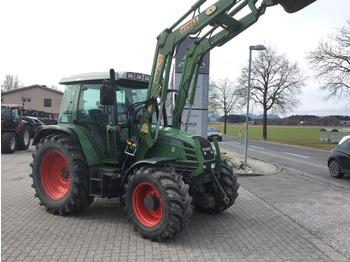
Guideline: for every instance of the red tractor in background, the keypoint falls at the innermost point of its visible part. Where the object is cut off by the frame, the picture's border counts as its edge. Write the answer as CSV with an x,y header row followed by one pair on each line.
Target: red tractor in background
x,y
15,132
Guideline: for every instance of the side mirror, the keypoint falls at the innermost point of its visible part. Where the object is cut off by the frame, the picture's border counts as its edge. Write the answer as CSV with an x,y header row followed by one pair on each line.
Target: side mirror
x,y
107,92
107,95
292,6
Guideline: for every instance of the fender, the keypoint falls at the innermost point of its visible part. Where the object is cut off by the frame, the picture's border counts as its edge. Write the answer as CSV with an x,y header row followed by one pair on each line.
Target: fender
x,y
150,161
21,125
53,129
89,151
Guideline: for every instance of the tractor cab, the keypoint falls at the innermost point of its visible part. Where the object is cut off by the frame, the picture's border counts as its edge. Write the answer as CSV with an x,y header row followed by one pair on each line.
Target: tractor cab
x,y
10,115
107,126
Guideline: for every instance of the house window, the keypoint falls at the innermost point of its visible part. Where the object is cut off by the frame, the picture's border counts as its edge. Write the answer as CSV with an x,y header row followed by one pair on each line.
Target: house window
x,y
26,100
47,102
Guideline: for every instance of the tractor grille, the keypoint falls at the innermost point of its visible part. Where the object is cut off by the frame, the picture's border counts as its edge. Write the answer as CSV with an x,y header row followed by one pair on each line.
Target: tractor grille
x,y
190,154
207,150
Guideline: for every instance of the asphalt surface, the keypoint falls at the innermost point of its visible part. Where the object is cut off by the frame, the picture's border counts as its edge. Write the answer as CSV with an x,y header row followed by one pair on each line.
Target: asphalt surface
x,y
278,216
301,159
321,206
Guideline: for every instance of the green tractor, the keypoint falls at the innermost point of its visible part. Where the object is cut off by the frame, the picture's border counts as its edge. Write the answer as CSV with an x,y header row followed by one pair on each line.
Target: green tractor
x,y
113,138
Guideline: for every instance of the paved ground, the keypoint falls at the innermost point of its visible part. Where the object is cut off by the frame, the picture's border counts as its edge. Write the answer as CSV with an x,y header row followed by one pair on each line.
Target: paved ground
x,y
252,230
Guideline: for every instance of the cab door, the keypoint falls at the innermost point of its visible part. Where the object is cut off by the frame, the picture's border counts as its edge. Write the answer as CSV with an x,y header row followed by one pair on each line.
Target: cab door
x,y
12,119
97,121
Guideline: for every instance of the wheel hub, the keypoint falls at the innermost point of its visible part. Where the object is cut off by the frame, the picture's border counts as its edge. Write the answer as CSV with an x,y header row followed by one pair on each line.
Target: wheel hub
x,y
151,202
65,173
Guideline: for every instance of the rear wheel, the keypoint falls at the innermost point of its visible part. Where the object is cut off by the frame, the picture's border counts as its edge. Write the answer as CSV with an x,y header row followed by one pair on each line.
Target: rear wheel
x,y
24,138
334,169
157,202
8,142
60,175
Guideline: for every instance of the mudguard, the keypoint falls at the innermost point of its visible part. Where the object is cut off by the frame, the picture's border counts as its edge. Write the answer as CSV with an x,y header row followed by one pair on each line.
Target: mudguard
x,y
149,161
90,152
21,125
46,130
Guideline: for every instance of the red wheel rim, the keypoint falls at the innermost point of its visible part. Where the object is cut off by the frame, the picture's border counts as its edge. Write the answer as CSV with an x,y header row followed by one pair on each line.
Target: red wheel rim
x,y
149,218
55,175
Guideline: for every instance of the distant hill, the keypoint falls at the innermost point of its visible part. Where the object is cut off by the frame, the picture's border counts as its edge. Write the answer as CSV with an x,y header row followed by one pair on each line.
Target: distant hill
x,y
239,118
260,117
213,118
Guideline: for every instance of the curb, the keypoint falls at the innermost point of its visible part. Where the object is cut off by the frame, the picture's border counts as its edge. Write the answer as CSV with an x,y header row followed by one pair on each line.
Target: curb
x,y
256,166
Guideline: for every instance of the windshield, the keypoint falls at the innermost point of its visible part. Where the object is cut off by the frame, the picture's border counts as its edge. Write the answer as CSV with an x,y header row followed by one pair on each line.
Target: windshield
x,y
89,100
7,113
125,96
212,129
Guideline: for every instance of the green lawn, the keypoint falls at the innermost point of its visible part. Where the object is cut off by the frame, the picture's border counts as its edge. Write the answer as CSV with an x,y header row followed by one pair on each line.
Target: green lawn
x,y
292,135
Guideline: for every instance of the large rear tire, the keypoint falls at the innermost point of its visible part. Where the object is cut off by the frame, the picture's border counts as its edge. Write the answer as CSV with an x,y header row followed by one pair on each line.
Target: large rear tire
x,y
228,181
157,202
60,175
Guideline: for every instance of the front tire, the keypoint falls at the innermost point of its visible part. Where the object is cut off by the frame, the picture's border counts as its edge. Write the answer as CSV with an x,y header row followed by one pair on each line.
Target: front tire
x,y
334,169
24,138
60,175
8,142
228,181
157,202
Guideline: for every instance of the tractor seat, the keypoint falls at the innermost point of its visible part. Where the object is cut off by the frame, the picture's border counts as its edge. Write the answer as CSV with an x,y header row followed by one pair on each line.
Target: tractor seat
x,y
98,116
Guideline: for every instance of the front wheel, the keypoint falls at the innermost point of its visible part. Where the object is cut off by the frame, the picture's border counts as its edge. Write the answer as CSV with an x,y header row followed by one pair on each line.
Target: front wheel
x,y
24,138
227,180
8,142
334,169
157,202
60,175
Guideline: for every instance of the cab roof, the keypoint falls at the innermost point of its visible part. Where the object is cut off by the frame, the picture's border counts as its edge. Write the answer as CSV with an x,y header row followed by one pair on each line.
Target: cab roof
x,y
105,76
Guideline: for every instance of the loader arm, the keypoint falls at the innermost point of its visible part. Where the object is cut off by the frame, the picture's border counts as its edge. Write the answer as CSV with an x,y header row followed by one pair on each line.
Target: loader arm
x,y
218,16
196,51
166,43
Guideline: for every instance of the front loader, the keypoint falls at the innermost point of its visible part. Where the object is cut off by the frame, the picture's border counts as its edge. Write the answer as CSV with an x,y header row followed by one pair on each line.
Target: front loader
x,y
113,138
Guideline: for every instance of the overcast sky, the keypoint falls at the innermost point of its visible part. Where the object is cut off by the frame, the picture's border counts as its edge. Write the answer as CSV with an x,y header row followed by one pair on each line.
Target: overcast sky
x,y
43,41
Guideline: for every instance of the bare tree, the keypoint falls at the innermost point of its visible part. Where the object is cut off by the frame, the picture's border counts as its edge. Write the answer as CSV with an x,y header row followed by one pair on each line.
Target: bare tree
x,y
11,82
222,98
212,105
54,87
331,62
275,83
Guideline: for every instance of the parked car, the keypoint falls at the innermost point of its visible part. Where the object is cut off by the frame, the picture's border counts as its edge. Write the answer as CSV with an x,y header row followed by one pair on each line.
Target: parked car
x,y
339,160
213,132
